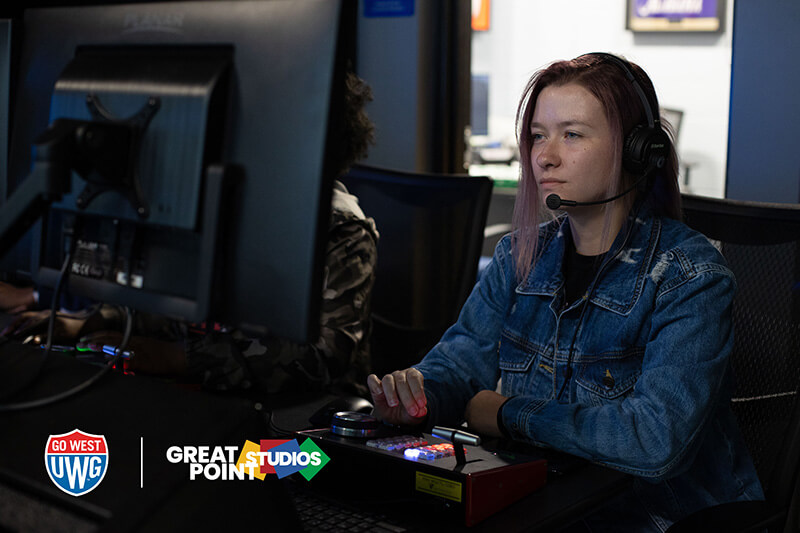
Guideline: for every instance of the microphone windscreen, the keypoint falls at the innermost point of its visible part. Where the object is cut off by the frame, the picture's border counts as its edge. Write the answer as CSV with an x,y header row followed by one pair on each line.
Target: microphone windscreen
x,y
553,201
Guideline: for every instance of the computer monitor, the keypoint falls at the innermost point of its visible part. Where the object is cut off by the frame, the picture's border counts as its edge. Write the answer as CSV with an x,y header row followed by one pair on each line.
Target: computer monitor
x,y
5,87
7,262
205,134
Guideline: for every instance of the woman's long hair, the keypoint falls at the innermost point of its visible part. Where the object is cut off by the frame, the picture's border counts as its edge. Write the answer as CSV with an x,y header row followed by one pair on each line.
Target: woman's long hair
x,y
624,110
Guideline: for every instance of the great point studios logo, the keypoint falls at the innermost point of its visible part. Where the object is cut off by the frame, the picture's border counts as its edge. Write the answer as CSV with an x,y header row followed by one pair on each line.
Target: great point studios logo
x,y
76,461
255,461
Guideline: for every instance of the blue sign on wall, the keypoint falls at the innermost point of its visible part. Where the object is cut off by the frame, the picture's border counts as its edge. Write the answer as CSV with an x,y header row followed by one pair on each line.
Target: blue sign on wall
x,y
388,8
675,15
676,10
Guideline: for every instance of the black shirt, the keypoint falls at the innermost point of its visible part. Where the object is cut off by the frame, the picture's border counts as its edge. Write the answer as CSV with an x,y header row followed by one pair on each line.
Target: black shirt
x,y
579,272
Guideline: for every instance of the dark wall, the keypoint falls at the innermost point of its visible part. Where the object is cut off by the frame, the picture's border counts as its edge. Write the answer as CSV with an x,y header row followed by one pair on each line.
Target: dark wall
x,y
418,64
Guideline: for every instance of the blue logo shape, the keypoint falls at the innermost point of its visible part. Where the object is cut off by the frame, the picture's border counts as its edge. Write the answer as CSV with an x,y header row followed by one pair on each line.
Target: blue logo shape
x,y
287,458
76,461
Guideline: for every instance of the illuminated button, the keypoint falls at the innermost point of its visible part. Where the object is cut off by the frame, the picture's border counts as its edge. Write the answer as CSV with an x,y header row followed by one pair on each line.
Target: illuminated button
x,y
412,454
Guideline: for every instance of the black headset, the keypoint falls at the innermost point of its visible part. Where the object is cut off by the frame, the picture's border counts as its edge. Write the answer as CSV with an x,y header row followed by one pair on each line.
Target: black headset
x,y
646,147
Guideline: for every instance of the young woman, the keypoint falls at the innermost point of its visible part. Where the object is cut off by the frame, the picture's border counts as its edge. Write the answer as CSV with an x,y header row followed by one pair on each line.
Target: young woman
x,y
608,326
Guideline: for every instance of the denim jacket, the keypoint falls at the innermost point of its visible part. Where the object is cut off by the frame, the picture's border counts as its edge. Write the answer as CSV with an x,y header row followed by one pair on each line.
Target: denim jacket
x,y
636,378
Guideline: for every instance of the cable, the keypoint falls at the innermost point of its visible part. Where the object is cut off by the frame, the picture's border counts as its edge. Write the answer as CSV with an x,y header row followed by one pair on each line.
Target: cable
x,y
589,293
78,388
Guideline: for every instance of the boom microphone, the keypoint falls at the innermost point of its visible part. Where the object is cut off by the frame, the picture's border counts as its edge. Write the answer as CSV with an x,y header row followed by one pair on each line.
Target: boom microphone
x,y
554,201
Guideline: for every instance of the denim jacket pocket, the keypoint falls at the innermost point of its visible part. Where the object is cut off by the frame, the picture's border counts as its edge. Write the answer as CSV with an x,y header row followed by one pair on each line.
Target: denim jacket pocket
x,y
525,368
609,376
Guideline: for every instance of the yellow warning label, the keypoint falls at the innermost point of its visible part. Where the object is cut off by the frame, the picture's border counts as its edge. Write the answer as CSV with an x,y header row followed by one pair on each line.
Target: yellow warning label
x,y
438,486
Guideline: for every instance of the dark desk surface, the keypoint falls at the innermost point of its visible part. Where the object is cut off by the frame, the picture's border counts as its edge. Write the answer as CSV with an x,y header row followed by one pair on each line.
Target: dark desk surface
x,y
127,410
138,417
560,502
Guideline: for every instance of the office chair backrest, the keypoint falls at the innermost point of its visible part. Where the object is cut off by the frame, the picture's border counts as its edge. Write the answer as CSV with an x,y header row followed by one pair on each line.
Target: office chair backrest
x,y
761,244
431,231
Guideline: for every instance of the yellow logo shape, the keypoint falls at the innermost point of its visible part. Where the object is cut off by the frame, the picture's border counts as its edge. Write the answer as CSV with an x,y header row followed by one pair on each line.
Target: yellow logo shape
x,y
254,469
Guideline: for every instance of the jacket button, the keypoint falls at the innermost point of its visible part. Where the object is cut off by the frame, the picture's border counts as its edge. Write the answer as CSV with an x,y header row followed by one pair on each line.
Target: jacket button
x,y
608,382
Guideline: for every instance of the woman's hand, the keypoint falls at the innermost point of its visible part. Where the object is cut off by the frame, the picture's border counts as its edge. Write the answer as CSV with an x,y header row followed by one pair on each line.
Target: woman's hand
x,y
399,398
481,413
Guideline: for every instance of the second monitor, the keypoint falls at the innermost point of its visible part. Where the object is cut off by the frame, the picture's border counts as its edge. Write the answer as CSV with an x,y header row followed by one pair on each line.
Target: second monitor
x,y
241,98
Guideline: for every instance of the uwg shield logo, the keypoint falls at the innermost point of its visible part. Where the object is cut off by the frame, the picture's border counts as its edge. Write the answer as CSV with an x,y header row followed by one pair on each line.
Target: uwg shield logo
x,y
76,461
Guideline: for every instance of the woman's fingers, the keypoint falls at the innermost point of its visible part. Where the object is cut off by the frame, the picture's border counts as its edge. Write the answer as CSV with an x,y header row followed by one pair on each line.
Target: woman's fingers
x,y
399,397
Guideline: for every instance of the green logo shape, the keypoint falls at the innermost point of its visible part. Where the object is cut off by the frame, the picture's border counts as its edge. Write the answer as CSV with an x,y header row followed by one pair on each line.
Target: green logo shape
x,y
311,470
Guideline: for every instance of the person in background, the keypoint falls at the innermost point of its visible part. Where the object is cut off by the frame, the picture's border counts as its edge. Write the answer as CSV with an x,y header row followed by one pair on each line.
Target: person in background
x,y
608,327
26,312
14,299
339,359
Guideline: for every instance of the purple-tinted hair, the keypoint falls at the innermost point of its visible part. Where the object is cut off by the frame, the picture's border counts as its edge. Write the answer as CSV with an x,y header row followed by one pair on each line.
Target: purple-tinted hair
x,y
624,110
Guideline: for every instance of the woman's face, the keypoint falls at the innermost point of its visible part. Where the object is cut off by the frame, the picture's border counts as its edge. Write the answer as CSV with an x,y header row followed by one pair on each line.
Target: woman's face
x,y
572,153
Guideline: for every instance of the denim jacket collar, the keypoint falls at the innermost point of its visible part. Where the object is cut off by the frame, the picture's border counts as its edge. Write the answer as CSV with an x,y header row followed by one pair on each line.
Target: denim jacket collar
x,y
622,273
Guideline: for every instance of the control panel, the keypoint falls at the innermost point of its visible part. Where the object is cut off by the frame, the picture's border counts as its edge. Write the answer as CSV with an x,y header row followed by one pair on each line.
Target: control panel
x,y
448,469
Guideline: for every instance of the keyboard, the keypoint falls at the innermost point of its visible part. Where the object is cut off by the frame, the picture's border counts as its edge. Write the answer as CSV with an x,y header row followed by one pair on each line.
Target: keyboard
x,y
318,512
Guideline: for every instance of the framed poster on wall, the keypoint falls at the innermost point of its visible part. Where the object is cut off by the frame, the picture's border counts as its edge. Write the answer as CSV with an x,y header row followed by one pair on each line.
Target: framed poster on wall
x,y
675,15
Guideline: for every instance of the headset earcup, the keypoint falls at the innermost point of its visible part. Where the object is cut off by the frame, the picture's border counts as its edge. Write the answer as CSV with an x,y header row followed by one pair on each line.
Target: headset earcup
x,y
632,150
645,148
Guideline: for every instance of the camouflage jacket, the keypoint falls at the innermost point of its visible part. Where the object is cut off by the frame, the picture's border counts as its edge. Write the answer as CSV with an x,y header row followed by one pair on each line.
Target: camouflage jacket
x,y
228,360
